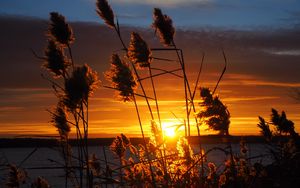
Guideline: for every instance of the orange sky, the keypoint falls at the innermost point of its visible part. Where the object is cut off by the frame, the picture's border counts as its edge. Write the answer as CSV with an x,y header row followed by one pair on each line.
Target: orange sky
x,y
257,79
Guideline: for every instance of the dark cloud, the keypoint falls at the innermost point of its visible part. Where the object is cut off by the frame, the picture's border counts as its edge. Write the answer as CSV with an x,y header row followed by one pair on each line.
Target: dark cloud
x,y
247,50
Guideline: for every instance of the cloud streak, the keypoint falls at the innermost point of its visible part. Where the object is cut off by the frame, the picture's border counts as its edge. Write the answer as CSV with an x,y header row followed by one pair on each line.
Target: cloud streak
x,y
165,3
284,52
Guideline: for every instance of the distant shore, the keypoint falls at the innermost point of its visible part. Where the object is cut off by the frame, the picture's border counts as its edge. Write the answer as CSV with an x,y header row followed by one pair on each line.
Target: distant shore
x,y
46,142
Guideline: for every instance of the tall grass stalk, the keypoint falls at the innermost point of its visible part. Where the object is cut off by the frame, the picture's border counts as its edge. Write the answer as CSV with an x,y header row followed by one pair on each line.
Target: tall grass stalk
x,y
78,85
186,87
158,114
103,8
144,140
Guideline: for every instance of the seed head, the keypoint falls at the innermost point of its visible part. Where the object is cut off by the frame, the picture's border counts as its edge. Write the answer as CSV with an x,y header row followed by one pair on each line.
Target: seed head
x,y
59,120
121,78
243,147
157,135
138,51
95,165
214,113
81,85
16,176
60,30
126,140
117,147
40,182
222,180
212,167
265,129
185,151
163,25
105,12
56,61
212,170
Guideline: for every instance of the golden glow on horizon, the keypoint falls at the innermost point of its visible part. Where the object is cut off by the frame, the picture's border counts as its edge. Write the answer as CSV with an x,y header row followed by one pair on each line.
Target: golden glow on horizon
x,y
169,132
171,128
112,118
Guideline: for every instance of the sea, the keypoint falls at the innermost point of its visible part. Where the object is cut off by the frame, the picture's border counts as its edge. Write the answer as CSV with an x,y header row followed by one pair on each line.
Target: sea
x,y
43,161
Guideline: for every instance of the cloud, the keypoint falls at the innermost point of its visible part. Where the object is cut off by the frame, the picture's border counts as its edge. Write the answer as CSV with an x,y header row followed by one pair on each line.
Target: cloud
x,y
104,109
251,80
22,96
240,99
11,109
283,52
268,83
165,3
131,16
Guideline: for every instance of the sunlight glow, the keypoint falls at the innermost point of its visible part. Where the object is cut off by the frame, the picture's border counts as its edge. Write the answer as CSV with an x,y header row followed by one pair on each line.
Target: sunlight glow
x,y
169,132
171,129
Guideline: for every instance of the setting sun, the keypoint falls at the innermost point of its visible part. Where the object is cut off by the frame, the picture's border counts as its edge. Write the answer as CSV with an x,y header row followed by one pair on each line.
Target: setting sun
x,y
171,129
169,132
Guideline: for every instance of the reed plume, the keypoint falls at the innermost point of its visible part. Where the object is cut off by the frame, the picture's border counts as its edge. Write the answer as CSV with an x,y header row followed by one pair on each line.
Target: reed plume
x,y
59,30
95,165
40,182
163,25
121,78
283,125
212,171
243,147
16,176
185,151
56,61
265,129
157,135
117,147
222,180
83,82
214,113
60,121
138,51
126,140
105,12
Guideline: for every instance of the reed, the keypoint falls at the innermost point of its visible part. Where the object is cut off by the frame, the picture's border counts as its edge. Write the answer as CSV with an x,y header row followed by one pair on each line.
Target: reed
x,y
157,162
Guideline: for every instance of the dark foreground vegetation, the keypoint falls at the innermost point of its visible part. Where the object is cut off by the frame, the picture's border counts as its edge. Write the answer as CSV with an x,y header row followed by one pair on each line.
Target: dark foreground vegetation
x,y
153,162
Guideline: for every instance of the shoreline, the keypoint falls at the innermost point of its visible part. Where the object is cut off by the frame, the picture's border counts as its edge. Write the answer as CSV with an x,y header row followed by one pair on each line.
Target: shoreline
x,y
51,142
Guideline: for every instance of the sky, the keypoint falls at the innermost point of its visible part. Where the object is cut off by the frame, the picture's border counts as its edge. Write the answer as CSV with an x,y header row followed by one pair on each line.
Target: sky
x,y
260,37
186,13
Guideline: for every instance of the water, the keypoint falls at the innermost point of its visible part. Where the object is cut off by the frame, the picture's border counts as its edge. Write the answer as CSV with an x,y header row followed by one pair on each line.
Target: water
x,y
48,157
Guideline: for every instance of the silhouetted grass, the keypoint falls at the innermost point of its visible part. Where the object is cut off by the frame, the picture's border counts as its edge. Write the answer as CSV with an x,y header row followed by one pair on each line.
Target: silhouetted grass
x,y
154,161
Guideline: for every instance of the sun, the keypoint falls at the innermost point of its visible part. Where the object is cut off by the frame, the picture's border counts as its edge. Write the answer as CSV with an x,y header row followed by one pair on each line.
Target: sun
x,y
169,129
169,132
